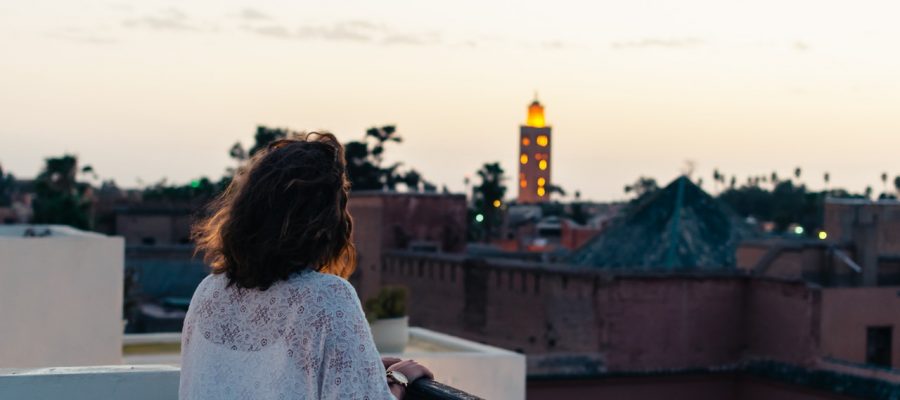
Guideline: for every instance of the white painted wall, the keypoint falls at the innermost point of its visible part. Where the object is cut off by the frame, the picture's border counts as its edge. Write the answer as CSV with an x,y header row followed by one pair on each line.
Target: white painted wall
x,y
60,298
485,371
120,382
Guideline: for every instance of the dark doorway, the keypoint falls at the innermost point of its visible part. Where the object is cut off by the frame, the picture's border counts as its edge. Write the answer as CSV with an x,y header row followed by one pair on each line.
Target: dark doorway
x,y
878,345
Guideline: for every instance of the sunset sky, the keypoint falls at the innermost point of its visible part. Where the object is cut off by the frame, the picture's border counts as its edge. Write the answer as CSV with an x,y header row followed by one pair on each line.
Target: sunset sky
x,y
154,89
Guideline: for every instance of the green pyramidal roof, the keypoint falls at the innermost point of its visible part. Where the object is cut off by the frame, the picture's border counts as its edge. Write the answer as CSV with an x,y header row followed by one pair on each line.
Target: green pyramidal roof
x,y
677,227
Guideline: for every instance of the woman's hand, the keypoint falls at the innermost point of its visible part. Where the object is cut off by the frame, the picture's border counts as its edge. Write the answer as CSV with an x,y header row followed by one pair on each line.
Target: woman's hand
x,y
388,361
411,369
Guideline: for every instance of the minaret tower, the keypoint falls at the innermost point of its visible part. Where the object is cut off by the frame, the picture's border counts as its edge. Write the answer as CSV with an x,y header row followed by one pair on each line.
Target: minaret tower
x,y
534,157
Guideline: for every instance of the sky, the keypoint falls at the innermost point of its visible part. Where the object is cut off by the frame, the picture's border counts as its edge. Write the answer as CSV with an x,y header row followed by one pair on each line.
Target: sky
x,y
161,89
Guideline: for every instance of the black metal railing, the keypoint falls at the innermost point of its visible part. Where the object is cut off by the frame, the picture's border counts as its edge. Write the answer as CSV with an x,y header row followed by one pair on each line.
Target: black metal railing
x,y
427,389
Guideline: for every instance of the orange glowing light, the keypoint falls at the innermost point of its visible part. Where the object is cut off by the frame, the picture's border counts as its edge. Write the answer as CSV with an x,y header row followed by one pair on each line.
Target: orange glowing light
x,y
535,115
542,165
523,183
543,140
526,141
541,192
542,182
497,203
523,159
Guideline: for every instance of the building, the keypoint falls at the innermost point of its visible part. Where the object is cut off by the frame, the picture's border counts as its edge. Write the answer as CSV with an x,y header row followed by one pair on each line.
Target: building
x,y
415,221
695,328
150,225
534,157
859,246
600,333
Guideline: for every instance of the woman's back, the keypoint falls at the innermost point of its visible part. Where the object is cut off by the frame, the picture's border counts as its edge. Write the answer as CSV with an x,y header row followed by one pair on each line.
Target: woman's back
x,y
303,338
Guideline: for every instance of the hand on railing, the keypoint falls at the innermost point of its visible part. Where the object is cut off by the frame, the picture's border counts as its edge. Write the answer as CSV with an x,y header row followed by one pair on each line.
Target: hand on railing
x,y
428,389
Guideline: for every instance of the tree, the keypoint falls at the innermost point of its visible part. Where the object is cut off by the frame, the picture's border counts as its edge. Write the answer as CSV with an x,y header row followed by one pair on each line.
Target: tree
x,y
265,135
365,162
487,197
59,197
642,186
382,135
897,184
7,184
797,172
237,152
717,178
412,179
556,189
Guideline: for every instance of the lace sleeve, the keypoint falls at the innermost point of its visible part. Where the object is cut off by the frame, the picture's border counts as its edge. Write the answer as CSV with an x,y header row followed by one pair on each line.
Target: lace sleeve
x,y
351,364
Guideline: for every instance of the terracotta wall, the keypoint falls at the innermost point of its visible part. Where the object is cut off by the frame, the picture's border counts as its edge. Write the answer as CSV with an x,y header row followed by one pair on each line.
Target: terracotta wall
x,y
843,217
782,321
613,323
847,312
389,220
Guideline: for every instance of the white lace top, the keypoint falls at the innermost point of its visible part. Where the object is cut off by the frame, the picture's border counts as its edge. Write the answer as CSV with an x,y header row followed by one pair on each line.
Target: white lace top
x,y
304,338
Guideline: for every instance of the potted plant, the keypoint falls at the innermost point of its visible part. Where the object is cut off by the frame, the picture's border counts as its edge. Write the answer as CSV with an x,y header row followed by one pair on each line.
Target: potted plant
x,y
387,317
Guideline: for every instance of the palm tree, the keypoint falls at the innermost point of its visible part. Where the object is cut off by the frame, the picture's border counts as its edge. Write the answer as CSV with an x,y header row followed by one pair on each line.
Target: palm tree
x,y
59,197
884,178
488,195
797,172
717,177
382,135
897,185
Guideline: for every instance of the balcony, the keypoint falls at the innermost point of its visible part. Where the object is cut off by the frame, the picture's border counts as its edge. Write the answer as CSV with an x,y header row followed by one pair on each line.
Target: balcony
x,y
67,342
462,367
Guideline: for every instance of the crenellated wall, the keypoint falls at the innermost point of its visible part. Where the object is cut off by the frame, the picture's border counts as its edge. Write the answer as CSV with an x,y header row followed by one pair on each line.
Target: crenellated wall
x,y
572,320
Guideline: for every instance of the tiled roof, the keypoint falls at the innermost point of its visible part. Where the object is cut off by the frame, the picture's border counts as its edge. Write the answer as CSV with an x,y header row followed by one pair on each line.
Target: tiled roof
x,y
677,227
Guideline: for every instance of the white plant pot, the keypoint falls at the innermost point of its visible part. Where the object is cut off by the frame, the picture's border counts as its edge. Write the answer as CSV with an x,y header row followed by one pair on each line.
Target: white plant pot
x,y
391,334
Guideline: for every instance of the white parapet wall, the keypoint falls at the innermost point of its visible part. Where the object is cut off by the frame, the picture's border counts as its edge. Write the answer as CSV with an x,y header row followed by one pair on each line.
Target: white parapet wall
x,y
118,382
60,297
485,371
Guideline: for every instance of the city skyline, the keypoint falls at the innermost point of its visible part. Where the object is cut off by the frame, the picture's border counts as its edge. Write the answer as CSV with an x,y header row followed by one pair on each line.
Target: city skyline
x,y
158,89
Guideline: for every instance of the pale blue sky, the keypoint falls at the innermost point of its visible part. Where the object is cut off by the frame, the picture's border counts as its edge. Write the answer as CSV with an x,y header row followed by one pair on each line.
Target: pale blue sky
x,y
153,89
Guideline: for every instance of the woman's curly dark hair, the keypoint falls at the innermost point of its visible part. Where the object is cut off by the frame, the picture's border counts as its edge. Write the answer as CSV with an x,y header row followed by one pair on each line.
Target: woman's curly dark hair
x,y
285,212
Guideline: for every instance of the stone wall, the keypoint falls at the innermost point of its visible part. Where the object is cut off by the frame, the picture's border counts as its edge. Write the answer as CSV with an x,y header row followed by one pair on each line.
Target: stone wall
x,y
574,320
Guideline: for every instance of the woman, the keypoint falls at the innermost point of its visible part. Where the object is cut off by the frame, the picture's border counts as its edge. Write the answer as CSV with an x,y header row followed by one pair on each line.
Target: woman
x,y
276,319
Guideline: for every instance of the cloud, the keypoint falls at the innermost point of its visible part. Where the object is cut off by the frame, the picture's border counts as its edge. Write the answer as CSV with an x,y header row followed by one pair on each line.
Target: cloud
x,y
78,35
275,31
801,46
355,31
553,45
648,43
171,19
359,31
251,14
412,39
